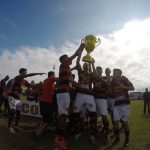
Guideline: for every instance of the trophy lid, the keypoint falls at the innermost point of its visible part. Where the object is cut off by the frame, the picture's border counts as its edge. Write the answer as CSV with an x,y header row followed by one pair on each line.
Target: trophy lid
x,y
90,37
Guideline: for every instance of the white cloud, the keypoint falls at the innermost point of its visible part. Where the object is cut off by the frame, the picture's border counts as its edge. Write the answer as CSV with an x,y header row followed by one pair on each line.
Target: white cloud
x,y
127,49
35,59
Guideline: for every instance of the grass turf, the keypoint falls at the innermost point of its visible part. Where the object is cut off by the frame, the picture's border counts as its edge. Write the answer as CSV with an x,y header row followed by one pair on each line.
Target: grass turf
x,y
24,140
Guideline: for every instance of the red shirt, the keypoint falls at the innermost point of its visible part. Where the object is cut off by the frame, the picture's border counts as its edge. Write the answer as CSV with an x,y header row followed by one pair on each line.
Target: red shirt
x,y
48,90
19,81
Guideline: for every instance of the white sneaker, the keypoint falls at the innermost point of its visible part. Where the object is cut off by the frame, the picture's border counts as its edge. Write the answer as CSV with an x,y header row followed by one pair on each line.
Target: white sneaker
x,y
11,129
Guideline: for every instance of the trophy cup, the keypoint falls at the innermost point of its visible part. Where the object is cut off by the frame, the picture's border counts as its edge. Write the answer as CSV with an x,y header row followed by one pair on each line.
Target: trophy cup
x,y
90,43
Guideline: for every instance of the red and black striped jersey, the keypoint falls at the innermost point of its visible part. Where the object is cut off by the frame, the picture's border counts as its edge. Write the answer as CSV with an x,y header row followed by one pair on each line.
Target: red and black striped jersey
x,y
100,87
85,81
19,81
65,76
121,95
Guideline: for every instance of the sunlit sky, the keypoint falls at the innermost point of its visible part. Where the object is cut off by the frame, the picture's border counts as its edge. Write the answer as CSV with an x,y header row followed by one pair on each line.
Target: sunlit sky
x,y
34,33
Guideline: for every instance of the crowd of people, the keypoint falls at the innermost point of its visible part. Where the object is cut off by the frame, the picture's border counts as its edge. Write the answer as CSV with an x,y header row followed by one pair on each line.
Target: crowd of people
x,y
91,96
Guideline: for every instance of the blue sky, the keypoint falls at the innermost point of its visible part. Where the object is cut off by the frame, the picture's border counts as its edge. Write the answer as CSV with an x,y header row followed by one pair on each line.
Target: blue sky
x,y
34,33
44,22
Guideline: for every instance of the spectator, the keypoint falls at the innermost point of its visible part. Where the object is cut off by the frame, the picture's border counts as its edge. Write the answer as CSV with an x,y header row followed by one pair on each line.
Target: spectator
x,y
146,97
31,95
38,91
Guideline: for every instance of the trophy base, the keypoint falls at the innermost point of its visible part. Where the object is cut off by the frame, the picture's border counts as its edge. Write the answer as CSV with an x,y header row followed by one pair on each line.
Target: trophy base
x,y
88,59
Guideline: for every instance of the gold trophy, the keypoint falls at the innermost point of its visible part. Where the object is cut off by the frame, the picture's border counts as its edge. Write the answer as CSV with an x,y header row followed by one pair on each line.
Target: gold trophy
x,y
90,43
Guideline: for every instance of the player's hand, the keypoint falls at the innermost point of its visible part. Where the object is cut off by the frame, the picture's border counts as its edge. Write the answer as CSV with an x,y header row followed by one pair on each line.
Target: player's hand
x,y
93,61
82,46
41,73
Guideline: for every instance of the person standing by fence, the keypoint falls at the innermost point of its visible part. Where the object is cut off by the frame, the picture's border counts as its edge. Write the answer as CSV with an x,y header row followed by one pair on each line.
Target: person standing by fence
x,y
146,97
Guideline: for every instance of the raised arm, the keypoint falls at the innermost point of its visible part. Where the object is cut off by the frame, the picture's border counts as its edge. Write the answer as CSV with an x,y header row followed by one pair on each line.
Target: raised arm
x,y
74,68
33,74
127,84
78,66
128,87
90,67
78,59
93,67
78,51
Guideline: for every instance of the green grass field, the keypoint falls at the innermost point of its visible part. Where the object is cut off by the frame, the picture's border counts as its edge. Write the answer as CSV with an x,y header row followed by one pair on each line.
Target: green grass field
x,y
24,140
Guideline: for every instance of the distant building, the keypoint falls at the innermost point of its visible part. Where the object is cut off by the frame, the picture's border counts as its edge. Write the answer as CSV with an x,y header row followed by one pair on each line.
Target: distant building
x,y
136,95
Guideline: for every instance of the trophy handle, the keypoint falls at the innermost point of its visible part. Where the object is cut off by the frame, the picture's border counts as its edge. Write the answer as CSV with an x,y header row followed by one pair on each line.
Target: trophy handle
x,y
98,41
82,41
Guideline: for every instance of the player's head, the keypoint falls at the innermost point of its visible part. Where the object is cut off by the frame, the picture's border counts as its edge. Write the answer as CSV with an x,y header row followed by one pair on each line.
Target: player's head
x,y
40,83
32,82
23,71
99,70
85,66
117,73
6,77
107,71
51,74
63,58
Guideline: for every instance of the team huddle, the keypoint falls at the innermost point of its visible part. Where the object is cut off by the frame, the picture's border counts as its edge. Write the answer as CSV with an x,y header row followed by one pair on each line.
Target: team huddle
x,y
93,95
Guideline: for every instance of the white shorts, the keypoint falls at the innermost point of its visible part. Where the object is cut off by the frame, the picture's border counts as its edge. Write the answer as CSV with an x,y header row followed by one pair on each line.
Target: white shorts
x,y
63,102
110,102
14,103
84,101
101,105
121,112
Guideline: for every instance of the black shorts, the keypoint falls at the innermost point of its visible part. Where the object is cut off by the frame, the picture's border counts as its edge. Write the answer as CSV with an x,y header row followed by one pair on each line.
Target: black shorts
x,y
46,111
